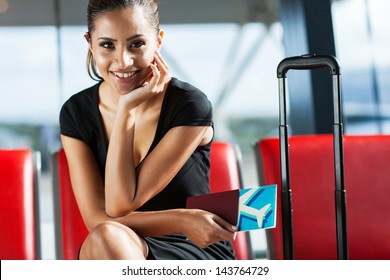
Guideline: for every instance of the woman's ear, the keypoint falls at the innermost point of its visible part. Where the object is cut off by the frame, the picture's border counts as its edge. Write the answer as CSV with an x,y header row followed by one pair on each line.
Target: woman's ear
x,y
88,38
160,39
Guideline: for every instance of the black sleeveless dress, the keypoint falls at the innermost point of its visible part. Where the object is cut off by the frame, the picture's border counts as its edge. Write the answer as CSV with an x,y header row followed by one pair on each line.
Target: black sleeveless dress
x,y
183,105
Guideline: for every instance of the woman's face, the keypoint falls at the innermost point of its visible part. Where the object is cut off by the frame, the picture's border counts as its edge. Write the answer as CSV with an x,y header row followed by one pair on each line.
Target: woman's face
x,y
123,45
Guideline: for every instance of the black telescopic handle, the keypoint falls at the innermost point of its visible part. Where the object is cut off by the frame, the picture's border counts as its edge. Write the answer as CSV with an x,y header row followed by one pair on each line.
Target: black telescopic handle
x,y
308,62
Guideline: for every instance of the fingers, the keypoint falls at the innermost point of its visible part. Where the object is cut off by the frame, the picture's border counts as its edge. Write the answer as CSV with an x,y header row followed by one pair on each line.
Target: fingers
x,y
161,63
226,230
224,224
159,71
208,228
155,75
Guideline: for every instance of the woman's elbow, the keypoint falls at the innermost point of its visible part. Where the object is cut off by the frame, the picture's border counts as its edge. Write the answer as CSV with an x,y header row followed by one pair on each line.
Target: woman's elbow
x,y
117,211
112,213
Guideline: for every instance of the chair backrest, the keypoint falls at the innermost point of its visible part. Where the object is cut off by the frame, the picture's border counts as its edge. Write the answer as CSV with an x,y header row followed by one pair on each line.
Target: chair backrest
x,y
19,215
367,177
71,231
225,174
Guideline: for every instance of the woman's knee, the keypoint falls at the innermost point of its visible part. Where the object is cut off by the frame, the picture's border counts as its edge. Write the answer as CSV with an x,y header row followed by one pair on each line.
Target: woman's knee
x,y
107,231
113,240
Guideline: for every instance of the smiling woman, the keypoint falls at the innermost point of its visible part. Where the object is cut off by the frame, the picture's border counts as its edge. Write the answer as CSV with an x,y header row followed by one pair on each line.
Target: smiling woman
x,y
123,60
138,144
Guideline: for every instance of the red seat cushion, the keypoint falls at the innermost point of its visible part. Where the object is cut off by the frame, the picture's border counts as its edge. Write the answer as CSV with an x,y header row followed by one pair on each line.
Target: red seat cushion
x,y
224,176
367,177
17,239
74,230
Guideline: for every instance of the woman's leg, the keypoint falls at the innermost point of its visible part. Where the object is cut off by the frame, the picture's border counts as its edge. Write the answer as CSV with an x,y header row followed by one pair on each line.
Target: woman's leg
x,y
113,241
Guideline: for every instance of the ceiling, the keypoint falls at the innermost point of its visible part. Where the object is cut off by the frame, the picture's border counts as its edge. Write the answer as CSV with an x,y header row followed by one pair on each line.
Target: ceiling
x,y
73,12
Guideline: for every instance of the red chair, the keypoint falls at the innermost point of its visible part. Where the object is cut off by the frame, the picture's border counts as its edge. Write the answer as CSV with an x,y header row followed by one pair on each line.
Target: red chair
x,y
69,227
19,207
225,174
71,231
367,177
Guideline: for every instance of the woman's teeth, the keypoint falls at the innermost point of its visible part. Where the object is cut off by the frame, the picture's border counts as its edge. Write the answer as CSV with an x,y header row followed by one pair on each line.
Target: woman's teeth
x,y
125,75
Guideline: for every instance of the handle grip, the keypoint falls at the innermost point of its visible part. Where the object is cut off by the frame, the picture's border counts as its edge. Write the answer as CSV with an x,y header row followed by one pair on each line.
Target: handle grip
x,y
308,62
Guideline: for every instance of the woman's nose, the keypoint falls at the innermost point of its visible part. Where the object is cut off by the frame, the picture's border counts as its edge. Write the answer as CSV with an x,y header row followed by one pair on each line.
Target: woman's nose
x,y
125,59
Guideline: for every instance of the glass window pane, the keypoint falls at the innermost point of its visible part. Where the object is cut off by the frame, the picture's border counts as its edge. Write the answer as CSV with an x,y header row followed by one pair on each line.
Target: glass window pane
x,y
362,44
29,76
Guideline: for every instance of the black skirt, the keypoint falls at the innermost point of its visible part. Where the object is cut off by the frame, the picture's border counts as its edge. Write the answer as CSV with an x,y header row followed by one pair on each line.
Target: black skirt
x,y
178,247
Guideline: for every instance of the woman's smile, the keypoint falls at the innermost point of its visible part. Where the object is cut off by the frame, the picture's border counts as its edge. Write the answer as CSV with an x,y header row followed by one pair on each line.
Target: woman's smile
x,y
126,81
129,77
124,75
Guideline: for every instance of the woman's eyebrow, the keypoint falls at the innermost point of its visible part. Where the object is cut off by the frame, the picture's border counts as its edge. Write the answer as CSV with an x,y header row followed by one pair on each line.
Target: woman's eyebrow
x,y
128,39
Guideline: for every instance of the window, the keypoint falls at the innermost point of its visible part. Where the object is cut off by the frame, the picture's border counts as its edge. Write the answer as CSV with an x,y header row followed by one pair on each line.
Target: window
x,y
362,47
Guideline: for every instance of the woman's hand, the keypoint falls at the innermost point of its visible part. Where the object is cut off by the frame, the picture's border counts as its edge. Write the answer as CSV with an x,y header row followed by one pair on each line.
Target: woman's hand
x,y
152,85
204,228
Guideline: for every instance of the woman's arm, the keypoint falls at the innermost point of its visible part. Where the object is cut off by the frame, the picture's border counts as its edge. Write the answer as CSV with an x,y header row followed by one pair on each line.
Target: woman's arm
x,y
201,227
129,191
121,184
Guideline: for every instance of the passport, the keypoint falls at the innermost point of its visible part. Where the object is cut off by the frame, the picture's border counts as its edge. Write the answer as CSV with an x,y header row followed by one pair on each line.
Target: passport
x,y
249,208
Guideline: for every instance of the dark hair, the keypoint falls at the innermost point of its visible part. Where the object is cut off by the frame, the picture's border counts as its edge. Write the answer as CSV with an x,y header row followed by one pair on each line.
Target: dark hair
x,y
98,7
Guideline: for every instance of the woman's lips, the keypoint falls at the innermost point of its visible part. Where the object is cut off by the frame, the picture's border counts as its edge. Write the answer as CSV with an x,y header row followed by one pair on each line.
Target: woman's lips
x,y
124,75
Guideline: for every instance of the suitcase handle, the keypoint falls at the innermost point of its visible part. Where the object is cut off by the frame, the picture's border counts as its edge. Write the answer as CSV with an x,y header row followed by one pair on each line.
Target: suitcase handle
x,y
308,62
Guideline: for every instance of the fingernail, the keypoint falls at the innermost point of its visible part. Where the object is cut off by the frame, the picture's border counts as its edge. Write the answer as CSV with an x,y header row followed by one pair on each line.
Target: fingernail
x,y
234,236
234,228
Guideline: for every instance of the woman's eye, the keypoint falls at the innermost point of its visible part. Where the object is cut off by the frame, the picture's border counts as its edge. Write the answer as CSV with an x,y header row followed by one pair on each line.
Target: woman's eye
x,y
137,44
106,45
